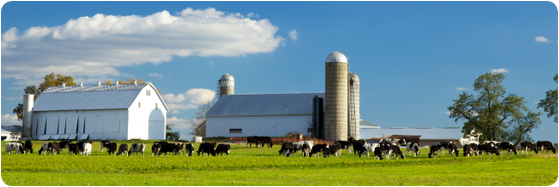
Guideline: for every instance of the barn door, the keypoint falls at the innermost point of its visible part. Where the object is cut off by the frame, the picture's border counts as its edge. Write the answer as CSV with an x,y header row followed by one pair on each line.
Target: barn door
x,y
156,125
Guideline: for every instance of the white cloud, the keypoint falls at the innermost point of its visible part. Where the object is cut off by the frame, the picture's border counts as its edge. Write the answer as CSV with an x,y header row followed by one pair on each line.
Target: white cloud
x,y
253,15
191,99
448,112
211,63
96,46
536,102
155,75
13,98
541,39
200,95
175,112
293,35
9,119
178,123
461,89
500,70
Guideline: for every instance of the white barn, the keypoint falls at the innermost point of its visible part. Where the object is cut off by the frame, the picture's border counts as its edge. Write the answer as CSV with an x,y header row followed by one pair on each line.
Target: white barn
x,y
242,115
125,111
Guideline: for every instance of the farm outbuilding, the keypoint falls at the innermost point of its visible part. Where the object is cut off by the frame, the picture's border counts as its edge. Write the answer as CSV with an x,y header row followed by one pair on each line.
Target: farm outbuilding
x,y
125,111
427,135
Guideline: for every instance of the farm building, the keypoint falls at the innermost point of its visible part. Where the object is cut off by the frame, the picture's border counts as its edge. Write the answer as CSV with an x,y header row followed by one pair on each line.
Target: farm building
x,y
11,132
125,111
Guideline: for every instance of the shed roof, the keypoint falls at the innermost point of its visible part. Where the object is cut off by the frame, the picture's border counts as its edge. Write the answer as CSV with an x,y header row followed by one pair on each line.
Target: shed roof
x,y
90,97
10,128
264,104
450,133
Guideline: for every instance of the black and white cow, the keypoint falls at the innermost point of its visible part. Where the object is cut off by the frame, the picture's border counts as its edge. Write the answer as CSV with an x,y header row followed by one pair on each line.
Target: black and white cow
x,y
105,144
453,148
443,145
433,150
265,140
545,145
170,147
111,148
412,147
528,146
122,149
189,149
86,148
345,145
489,147
72,148
253,140
64,144
357,144
287,148
28,147
378,152
395,151
14,146
50,147
471,149
155,148
318,148
137,148
331,150
222,148
507,146
207,148
306,149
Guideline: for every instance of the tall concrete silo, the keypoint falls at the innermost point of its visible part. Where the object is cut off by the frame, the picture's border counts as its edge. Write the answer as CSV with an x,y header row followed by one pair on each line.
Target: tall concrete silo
x,y
336,101
226,85
26,126
354,114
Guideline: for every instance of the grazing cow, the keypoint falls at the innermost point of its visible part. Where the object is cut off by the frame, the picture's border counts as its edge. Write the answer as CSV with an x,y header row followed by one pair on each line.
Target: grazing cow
x,y
206,148
72,148
122,149
444,145
367,148
50,147
545,145
111,148
14,146
378,152
87,148
166,147
395,150
137,147
345,145
507,146
105,144
265,140
64,144
222,148
361,148
357,144
300,146
528,146
331,150
412,147
318,148
189,149
471,149
433,150
287,148
306,149
488,147
155,148
253,139
453,148
28,147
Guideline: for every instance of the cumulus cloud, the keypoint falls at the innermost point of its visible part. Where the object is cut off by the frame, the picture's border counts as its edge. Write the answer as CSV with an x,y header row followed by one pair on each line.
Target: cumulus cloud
x,y
293,35
253,15
191,99
500,70
460,89
9,119
541,39
178,123
96,46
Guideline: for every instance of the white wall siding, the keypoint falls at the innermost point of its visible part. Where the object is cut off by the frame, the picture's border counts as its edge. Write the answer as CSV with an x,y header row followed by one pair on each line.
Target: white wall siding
x,y
140,116
256,125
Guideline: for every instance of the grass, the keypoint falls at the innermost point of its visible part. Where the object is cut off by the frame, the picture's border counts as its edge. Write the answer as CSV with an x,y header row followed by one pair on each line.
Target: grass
x,y
263,166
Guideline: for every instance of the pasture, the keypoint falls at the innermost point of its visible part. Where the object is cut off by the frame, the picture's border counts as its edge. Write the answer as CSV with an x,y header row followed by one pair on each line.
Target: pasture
x,y
263,166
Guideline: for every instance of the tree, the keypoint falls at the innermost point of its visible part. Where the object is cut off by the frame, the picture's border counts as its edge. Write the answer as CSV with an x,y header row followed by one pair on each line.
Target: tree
x,y
198,123
50,81
549,104
170,134
489,111
521,126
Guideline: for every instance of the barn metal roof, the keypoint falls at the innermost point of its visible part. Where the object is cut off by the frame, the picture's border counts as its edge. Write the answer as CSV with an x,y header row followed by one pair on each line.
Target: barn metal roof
x,y
264,104
449,133
90,97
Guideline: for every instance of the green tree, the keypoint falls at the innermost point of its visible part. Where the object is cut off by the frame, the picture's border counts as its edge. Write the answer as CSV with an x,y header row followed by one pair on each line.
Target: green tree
x,y
170,134
489,111
549,104
521,126
51,80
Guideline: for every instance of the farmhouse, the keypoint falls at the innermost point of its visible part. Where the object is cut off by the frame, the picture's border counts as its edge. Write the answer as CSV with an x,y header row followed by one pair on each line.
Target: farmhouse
x,y
124,111
11,132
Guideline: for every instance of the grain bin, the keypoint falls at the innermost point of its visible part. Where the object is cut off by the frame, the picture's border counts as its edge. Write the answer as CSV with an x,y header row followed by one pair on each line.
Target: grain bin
x,y
336,97
226,85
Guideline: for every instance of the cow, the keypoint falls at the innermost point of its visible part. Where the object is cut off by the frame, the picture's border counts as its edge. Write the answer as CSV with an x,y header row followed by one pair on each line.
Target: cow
x,y
50,147
300,146
488,147
287,148
86,150
357,144
189,149
253,139
318,148
206,148
331,150
122,149
345,145
105,144
137,147
111,148
222,148
433,150
443,145
471,149
72,148
395,150
378,152
28,146
265,140
155,148
545,145
453,148
64,144
360,148
507,146
412,147
528,146
166,147
306,149
14,146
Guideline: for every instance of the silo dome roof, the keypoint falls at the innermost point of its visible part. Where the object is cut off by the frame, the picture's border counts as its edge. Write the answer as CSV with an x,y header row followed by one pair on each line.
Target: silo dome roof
x,y
227,77
353,76
336,57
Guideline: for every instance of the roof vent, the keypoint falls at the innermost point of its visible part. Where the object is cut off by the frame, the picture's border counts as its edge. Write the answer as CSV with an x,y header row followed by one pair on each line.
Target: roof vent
x,y
135,82
116,83
81,83
63,84
98,83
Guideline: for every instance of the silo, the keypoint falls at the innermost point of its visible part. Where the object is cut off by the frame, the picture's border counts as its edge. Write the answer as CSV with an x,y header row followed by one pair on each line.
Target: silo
x,y
27,112
226,85
336,99
353,109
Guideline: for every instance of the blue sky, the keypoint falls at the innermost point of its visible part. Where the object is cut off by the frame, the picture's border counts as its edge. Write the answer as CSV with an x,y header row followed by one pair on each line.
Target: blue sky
x,y
413,58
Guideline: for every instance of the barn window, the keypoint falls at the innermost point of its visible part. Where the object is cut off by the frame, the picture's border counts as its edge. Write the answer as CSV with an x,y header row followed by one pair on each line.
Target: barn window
x,y
155,105
4,138
148,92
235,131
139,105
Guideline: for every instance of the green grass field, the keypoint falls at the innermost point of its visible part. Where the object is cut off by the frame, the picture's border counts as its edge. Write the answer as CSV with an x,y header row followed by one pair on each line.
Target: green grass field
x,y
263,166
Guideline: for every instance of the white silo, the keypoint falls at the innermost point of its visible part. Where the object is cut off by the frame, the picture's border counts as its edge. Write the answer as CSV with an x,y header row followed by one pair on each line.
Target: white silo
x,y
26,126
226,85
336,100
354,114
